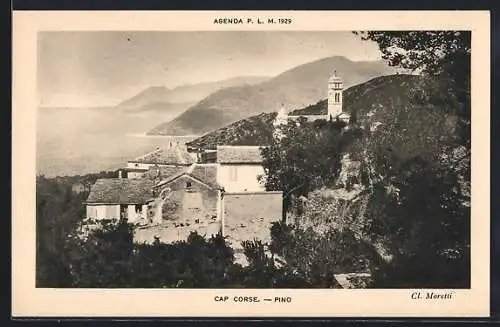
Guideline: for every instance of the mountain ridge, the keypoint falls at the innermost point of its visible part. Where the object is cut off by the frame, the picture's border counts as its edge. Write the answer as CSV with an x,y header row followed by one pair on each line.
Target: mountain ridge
x,y
294,88
187,93
374,101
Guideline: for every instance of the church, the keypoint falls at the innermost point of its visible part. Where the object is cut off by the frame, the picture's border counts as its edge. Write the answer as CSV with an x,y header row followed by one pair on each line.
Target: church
x,y
334,111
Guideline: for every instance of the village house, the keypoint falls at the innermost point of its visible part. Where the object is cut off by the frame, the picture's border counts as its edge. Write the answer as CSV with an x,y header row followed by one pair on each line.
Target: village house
x,y
240,168
173,156
115,198
189,200
193,193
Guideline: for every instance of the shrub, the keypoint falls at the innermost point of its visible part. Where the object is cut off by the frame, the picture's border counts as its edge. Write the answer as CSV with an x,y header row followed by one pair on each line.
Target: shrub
x,y
109,258
264,271
304,258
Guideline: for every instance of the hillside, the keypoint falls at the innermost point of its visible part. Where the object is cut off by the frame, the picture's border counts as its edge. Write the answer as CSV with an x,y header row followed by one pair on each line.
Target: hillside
x,y
385,102
385,92
294,88
189,93
255,130
375,100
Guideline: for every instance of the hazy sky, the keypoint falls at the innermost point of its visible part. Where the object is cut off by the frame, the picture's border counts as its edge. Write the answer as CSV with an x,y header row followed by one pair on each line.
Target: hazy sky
x,y
104,68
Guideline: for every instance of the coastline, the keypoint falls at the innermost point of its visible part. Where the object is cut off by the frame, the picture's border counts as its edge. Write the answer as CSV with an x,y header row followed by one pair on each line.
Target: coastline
x,y
160,136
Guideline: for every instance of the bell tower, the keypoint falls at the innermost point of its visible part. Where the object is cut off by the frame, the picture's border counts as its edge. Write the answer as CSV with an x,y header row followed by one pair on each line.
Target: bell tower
x,y
335,88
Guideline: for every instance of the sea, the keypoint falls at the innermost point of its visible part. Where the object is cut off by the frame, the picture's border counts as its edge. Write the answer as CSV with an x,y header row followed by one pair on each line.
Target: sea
x,y
77,141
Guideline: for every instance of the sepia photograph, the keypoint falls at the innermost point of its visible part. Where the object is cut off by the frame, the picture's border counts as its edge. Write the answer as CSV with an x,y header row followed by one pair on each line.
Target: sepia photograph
x,y
254,159
256,164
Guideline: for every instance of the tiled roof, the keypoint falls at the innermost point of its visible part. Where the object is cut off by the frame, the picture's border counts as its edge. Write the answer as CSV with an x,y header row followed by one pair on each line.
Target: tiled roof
x,y
239,154
127,169
121,191
166,172
205,173
170,156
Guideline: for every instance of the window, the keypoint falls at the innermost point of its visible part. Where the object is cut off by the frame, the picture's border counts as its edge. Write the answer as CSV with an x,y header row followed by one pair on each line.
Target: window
x,y
188,185
234,173
138,208
137,165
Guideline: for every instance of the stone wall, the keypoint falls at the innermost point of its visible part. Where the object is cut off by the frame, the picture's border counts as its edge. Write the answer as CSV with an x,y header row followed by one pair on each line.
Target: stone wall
x,y
189,207
249,215
173,231
189,201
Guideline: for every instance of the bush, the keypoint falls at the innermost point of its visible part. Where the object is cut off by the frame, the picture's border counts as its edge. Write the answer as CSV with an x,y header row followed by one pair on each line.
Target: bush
x,y
265,271
58,210
306,259
426,226
424,270
169,209
109,258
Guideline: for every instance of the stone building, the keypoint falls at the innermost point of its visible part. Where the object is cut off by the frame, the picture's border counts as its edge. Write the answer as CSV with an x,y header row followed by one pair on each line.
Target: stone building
x,y
335,103
193,193
335,88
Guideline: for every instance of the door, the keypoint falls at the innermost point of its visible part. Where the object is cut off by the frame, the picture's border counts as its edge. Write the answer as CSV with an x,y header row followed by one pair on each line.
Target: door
x,y
123,211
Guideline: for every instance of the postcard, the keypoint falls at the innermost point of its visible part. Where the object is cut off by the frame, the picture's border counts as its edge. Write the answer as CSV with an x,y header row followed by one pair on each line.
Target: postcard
x,y
251,164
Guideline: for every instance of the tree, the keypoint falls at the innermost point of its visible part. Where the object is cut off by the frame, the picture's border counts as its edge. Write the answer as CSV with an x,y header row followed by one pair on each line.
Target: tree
x,y
443,58
433,53
418,207
58,209
99,258
304,258
306,157
429,52
426,220
419,173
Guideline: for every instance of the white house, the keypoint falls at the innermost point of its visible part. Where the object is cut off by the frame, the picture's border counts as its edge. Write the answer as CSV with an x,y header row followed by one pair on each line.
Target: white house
x,y
239,168
115,198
